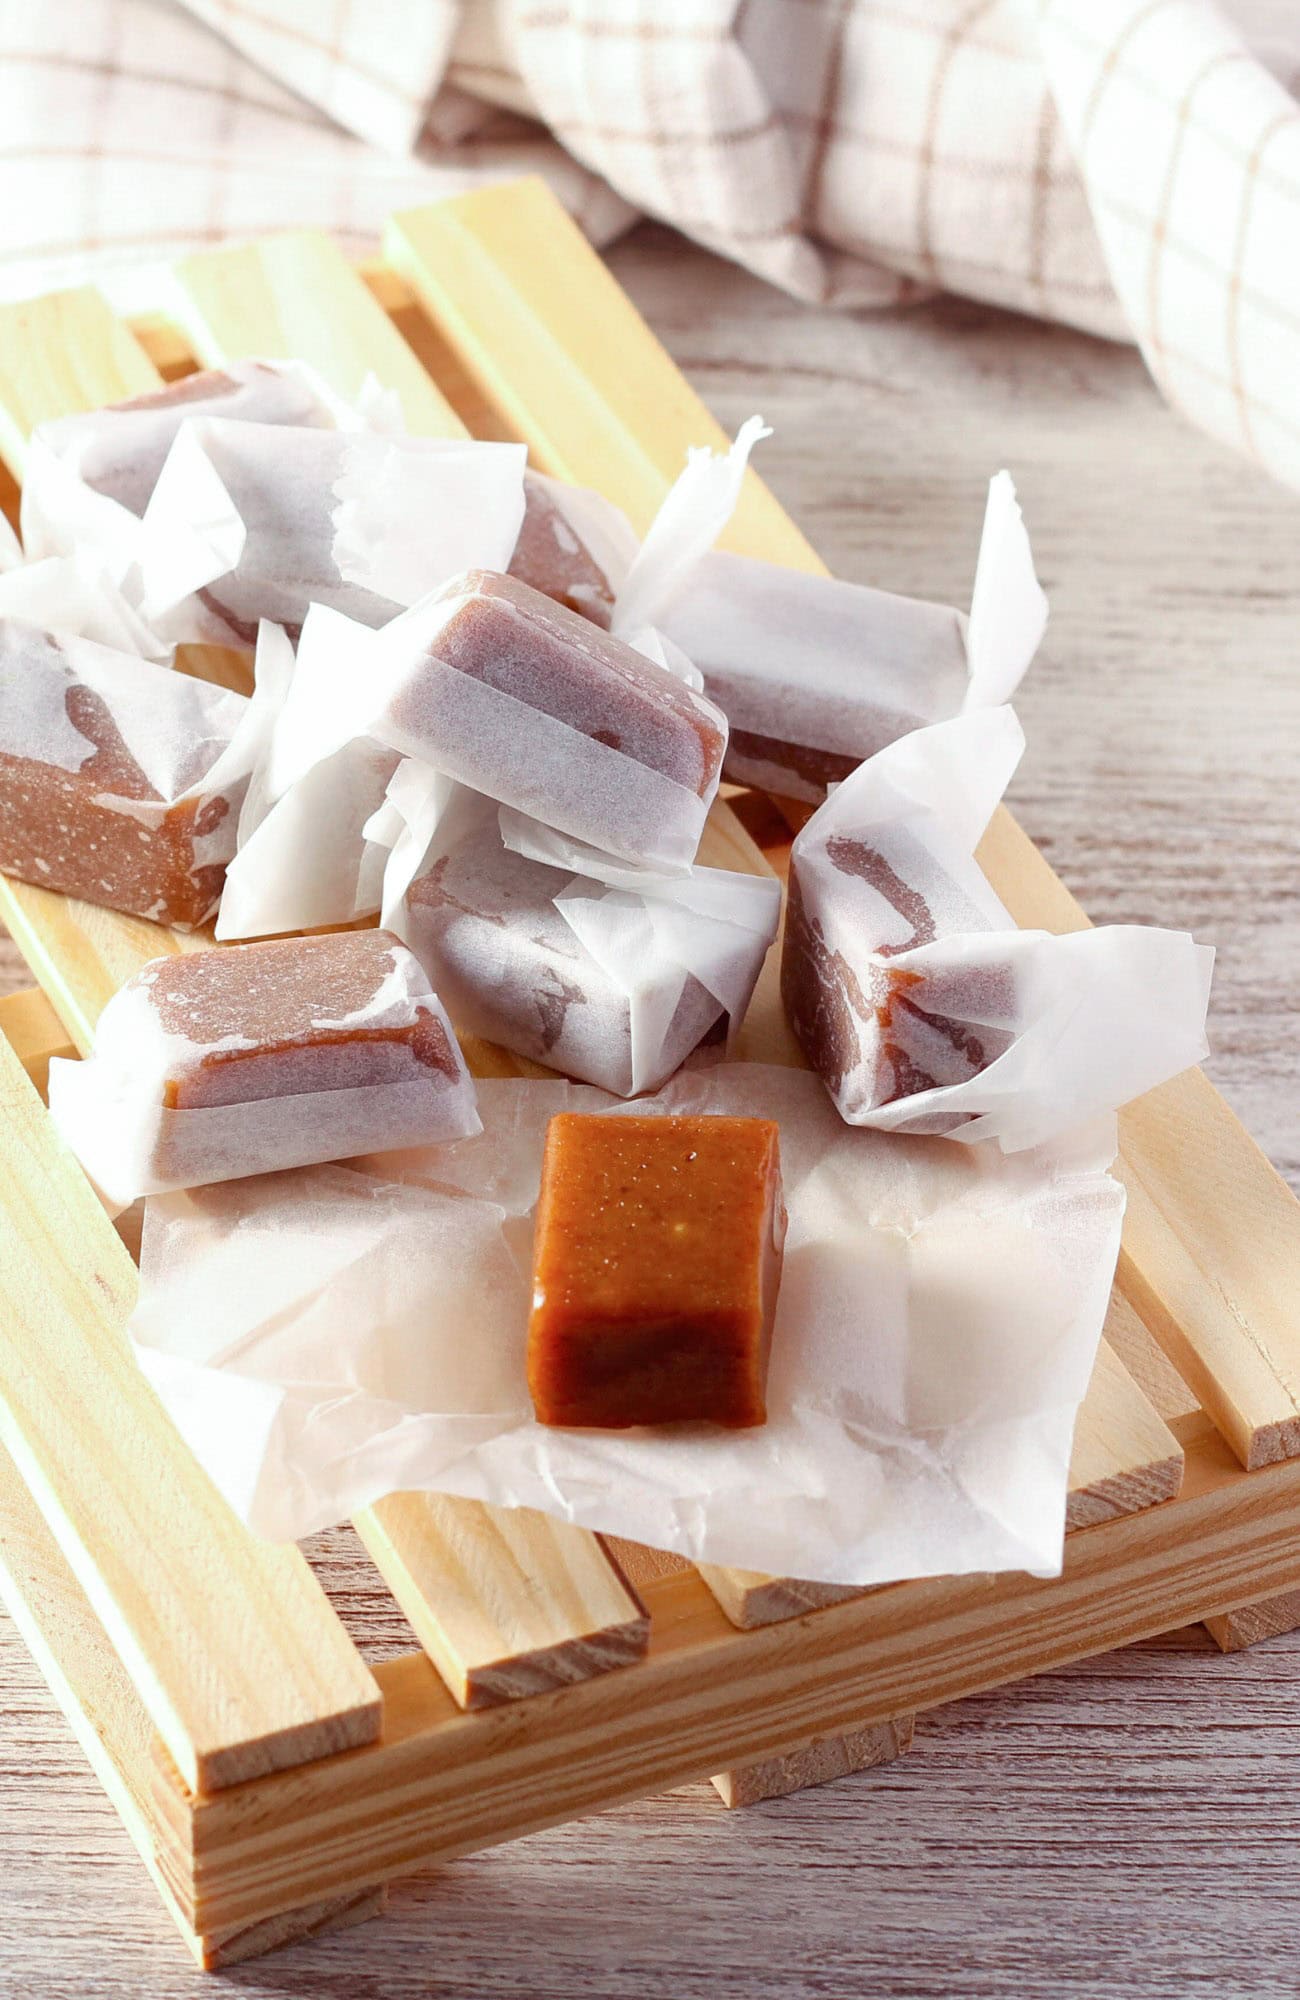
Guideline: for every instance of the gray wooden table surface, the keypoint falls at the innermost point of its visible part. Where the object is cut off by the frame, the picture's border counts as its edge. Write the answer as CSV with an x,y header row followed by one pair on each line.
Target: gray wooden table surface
x,y
1127,1826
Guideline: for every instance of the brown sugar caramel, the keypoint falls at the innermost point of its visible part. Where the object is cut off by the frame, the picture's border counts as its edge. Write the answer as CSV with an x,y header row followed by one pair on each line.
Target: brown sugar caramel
x,y
514,639
63,830
656,1264
551,557
277,999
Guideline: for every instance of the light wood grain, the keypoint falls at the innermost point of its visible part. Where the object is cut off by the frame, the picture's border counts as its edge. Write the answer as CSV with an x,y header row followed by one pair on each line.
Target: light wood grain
x,y
1208,1249
230,1643
1212,1232
34,1032
554,344
297,297
820,1762
1154,1781
1125,1456
60,354
1234,1631
443,1782
506,1602
814,1763
79,953
109,1721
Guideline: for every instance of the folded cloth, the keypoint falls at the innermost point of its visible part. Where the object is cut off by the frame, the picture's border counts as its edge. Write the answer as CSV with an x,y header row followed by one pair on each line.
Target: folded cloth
x,y
1128,167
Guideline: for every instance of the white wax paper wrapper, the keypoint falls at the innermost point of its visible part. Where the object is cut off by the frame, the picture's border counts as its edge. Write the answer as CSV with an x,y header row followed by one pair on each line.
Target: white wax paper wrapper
x,y
500,737
189,738
917,1000
693,514
64,700
407,519
815,674
613,981
338,1089
76,597
250,522
11,549
324,1339
119,451
304,862
89,478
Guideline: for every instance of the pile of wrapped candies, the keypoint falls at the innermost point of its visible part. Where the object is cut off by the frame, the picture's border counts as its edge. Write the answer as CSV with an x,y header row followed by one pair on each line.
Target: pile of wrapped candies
x,y
482,711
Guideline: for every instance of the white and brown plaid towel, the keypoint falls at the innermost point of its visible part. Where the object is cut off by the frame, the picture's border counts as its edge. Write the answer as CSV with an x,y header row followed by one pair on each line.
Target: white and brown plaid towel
x,y
1129,166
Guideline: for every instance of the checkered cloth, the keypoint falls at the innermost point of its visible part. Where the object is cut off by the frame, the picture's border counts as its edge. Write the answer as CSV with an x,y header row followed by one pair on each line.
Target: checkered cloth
x,y
1128,166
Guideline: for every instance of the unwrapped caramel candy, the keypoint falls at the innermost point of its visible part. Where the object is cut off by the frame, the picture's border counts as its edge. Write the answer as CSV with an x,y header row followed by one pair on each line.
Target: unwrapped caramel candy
x,y
656,1263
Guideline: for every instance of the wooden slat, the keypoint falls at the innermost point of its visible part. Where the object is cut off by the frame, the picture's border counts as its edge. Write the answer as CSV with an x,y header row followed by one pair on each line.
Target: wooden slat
x,y
1125,1456
88,1681
505,1601
297,297
708,1698
1210,1260
231,1644
1234,1631
505,1606
814,1763
34,1032
552,340
1212,1233
79,953
59,354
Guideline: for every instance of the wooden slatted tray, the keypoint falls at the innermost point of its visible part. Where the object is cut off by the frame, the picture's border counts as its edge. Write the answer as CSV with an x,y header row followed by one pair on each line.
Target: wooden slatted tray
x,y
272,1782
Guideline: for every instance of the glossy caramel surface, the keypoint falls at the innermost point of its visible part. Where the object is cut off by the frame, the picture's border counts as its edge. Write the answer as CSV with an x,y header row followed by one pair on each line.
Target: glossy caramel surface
x,y
655,1271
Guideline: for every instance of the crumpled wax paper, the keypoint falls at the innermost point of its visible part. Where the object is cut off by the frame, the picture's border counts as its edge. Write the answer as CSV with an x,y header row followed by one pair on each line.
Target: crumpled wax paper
x,y
75,597
561,954
327,1337
922,1006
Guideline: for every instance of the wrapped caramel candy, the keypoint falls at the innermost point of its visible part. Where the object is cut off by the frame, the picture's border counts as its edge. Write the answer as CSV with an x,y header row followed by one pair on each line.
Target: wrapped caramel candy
x,y
614,983
915,998
247,523
519,698
815,674
570,544
118,452
120,780
251,1058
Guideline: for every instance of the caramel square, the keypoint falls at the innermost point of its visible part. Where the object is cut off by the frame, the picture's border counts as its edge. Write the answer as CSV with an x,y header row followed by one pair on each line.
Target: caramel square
x,y
656,1263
